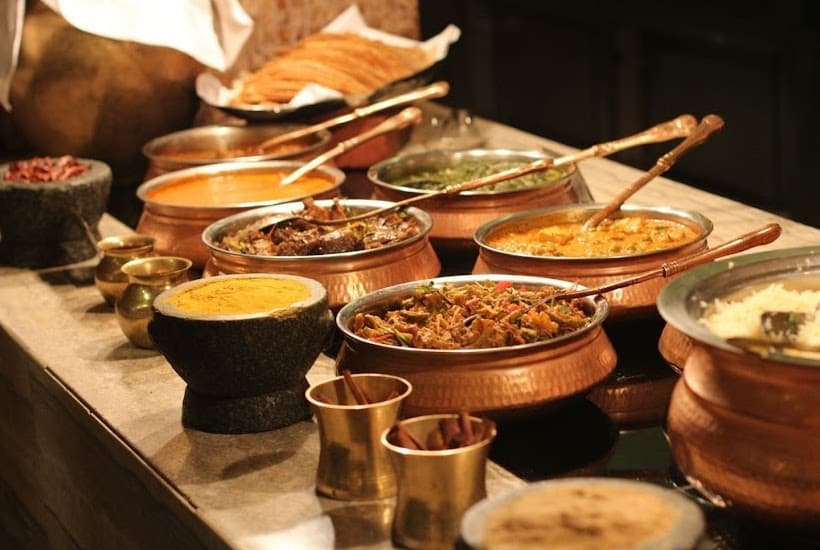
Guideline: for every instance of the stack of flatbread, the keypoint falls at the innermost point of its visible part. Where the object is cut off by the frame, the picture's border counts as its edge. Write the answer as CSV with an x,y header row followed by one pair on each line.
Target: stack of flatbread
x,y
348,63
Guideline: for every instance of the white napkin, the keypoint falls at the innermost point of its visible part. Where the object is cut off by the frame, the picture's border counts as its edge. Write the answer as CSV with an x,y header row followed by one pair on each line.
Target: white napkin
x,y
184,25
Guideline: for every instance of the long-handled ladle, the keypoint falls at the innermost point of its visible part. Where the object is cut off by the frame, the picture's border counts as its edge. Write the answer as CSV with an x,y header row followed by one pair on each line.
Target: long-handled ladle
x,y
680,126
708,125
437,89
764,235
407,117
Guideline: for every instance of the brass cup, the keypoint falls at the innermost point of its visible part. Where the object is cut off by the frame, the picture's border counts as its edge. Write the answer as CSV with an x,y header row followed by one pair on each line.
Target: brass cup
x,y
116,252
147,278
435,488
352,463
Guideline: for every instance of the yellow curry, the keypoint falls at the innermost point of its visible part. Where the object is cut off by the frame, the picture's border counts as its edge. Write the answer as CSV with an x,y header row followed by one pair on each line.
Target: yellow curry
x,y
612,237
239,296
231,188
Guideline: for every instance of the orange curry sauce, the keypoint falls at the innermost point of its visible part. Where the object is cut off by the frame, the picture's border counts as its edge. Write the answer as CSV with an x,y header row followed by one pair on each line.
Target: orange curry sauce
x,y
232,188
612,237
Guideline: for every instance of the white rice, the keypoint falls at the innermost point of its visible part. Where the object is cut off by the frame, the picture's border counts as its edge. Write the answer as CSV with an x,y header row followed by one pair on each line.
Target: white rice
x,y
740,318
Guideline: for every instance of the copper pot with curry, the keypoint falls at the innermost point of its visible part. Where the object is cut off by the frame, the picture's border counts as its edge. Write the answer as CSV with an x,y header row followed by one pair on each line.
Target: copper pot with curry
x,y
550,242
350,260
179,205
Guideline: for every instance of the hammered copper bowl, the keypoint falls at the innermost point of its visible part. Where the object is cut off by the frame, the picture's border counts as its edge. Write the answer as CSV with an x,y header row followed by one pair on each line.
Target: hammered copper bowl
x,y
177,228
745,429
346,275
506,383
213,144
635,301
457,217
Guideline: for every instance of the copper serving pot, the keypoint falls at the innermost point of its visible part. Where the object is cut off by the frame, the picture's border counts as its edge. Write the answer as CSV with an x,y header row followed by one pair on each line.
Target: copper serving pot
x,y
633,301
177,228
456,217
743,428
212,144
347,275
506,382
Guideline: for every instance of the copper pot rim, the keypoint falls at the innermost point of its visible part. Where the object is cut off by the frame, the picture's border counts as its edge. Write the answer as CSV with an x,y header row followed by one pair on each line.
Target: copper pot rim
x,y
145,188
153,149
374,173
683,301
218,228
581,211
318,293
596,303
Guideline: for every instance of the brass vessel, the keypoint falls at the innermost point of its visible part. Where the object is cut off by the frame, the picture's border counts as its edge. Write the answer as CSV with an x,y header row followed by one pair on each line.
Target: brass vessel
x,y
435,488
632,301
745,428
504,382
456,218
147,278
347,275
178,228
116,252
353,465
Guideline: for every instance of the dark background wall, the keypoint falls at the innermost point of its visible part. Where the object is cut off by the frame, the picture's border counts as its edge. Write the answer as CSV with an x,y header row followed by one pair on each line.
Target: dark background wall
x,y
586,72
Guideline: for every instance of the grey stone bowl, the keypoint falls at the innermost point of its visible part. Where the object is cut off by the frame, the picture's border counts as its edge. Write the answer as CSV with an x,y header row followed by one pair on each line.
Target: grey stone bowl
x,y
44,224
244,373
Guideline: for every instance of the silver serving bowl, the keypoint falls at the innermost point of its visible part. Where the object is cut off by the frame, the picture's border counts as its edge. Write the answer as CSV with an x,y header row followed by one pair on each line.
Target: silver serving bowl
x,y
504,382
346,275
457,217
212,144
745,428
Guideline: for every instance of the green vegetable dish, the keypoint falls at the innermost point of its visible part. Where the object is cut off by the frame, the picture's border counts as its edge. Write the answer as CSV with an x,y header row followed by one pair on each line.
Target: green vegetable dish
x,y
438,178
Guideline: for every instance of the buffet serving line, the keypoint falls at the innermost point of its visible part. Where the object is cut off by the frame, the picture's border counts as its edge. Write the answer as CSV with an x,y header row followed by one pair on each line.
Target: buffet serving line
x,y
93,444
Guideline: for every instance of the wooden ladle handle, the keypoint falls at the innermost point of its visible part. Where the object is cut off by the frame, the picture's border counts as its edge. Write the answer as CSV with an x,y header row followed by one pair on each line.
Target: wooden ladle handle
x,y
407,117
764,235
709,125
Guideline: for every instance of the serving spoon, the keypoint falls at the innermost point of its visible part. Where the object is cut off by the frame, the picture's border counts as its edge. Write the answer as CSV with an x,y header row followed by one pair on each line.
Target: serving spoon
x,y
407,117
437,89
680,126
708,125
764,235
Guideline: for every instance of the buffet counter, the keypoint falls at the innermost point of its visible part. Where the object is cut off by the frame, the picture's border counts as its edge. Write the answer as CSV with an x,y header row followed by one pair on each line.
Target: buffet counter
x,y
94,453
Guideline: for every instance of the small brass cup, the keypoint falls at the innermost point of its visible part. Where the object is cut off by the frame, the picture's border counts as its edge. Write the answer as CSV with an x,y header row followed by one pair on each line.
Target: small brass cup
x,y
147,278
116,252
353,465
435,488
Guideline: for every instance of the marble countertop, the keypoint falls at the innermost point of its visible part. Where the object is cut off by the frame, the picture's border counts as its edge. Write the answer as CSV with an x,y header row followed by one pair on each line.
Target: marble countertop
x,y
256,490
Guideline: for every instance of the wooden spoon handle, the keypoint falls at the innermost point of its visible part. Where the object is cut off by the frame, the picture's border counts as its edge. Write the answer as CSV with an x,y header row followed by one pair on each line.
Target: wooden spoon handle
x,y
678,127
709,125
408,116
764,235
434,90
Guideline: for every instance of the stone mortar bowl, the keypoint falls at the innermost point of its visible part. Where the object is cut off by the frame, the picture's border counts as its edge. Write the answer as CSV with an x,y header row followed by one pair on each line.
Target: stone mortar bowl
x,y
45,224
244,372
